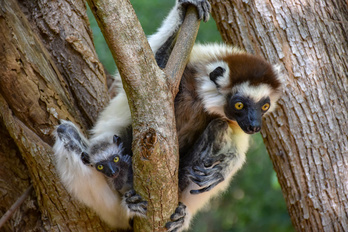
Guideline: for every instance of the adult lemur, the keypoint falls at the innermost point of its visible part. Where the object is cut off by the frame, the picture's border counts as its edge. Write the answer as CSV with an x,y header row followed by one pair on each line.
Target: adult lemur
x,y
223,94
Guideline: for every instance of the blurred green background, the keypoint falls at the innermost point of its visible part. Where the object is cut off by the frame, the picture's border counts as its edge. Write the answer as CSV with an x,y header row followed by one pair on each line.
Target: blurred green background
x,y
254,201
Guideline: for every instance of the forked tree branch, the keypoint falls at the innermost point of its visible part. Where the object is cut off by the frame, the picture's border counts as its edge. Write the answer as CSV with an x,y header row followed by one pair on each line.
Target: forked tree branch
x,y
150,93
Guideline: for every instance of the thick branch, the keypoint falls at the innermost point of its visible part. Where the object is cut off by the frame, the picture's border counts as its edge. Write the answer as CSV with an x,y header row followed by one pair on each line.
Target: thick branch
x,y
51,195
151,103
69,41
155,152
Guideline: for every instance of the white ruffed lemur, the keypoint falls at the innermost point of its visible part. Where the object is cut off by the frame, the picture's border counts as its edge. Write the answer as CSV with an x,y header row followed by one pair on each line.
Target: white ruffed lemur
x,y
223,94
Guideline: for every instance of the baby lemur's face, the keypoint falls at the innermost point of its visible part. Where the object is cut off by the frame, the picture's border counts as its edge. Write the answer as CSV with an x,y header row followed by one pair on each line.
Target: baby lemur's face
x,y
113,165
110,160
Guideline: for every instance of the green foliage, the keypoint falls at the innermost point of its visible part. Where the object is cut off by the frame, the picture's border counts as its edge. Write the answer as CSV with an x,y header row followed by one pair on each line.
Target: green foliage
x,y
100,45
254,201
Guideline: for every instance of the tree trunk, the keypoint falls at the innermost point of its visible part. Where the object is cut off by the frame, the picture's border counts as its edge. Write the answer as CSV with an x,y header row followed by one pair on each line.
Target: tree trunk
x,y
38,86
307,136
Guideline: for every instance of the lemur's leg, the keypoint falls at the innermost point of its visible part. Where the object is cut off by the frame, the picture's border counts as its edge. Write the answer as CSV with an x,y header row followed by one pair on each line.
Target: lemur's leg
x,y
204,169
162,42
114,119
217,156
70,144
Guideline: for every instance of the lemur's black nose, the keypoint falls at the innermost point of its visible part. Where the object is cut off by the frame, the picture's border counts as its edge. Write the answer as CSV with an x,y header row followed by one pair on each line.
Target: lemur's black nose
x,y
253,129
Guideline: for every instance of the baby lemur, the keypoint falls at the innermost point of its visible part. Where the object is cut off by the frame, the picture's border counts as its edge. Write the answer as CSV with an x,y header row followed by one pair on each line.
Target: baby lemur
x,y
98,174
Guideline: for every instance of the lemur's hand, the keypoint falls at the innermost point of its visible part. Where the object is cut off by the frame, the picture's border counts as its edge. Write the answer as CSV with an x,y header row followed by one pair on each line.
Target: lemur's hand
x,y
127,159
203,8
135,203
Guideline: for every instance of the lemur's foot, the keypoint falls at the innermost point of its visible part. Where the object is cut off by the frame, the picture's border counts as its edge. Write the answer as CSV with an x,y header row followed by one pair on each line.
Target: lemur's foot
x,y
207,173
177,219
135,204
206,178
203,8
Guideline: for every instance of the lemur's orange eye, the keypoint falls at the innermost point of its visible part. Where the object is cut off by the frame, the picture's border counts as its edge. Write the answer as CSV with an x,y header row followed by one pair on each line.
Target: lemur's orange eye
x,y
239,105
265,107
116,159
100,167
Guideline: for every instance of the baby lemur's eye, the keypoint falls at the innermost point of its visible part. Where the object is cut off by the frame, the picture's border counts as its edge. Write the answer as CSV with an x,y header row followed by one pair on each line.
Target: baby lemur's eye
x,y
265,107
116,159
100,167
239,105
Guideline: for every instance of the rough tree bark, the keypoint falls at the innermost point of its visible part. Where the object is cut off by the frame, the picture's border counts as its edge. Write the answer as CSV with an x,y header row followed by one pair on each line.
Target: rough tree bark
x,y
307,136
49,71
37,87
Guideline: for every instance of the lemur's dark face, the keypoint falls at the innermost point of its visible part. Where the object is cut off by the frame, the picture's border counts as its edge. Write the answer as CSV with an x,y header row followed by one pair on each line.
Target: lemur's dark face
x,y
116,168
247,112
108,158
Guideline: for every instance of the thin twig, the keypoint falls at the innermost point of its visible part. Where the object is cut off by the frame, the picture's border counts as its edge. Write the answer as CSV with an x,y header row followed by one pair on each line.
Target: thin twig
x,y
14,207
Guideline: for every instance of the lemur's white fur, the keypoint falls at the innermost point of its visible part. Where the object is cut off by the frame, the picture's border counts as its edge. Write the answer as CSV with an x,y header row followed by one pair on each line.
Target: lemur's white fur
x,y
255,93
205,53
113,119
170,24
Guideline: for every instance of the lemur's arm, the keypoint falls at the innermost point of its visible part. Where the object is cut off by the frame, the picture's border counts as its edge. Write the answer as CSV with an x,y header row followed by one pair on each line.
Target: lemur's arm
x,y
85,183
162,42
219,157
